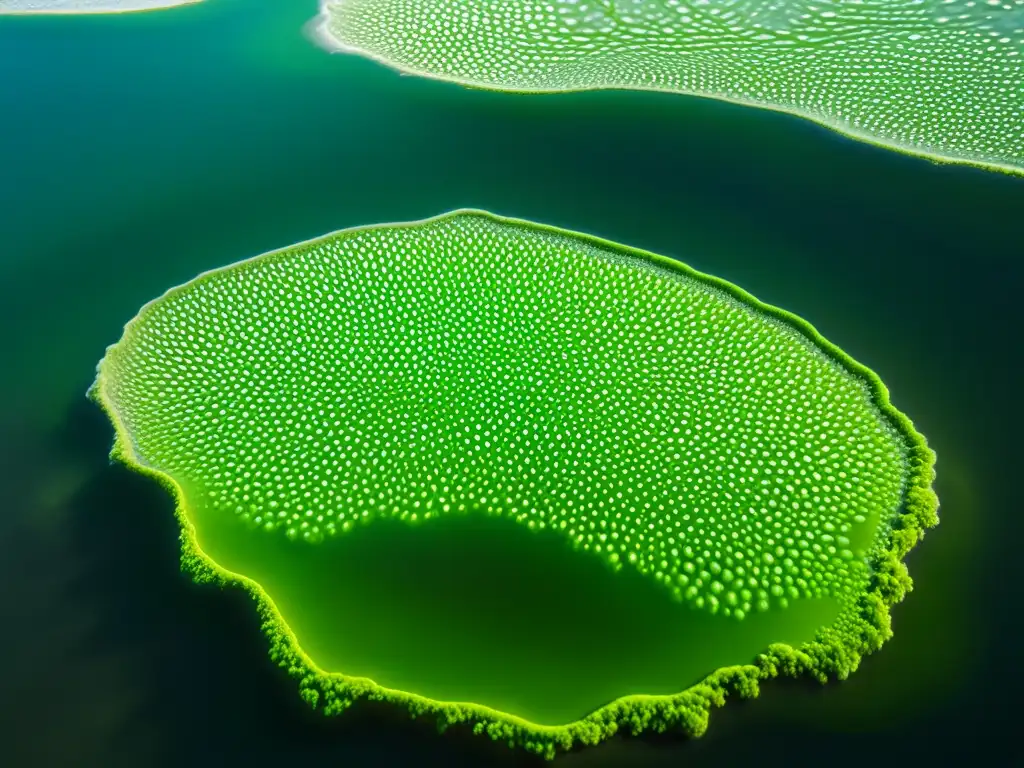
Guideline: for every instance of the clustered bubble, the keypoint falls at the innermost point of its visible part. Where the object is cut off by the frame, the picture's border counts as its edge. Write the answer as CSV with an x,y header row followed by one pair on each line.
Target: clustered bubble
x,y
936,77
480,366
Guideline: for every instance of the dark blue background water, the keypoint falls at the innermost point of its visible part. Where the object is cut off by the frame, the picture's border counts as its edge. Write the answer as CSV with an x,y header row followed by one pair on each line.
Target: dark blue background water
x,y
136,151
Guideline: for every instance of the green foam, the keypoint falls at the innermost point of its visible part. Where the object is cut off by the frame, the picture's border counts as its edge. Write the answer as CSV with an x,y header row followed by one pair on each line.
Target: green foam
x,y
937,78
473,367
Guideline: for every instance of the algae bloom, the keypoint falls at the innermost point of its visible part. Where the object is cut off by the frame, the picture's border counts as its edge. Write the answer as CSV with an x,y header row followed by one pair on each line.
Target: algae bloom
x,y
938,78
662,422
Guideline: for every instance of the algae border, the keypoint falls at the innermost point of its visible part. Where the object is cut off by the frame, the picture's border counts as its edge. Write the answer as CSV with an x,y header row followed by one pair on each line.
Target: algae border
x,y
834,652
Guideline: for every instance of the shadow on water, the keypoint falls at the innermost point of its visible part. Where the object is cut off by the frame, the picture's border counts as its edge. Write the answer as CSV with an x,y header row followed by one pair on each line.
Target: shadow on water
x,y
479,608
114,658
161,671
180,671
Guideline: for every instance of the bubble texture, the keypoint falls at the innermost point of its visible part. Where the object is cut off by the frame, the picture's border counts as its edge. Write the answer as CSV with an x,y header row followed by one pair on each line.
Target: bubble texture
x,y
471,364
941,78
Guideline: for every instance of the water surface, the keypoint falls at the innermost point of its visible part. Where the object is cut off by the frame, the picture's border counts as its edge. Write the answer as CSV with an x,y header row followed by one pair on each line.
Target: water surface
x,y
139,150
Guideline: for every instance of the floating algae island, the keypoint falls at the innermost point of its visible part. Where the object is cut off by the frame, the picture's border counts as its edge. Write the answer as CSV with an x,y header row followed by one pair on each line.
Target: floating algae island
x,y
332,415
938,78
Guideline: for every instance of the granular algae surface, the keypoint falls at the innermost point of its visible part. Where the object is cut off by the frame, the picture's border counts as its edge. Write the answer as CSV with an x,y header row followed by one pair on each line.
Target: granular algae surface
x,y
483,368
939,78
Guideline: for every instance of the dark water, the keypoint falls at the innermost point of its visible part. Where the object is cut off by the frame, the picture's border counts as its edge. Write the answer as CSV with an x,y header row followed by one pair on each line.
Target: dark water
x,y
137,151
479,608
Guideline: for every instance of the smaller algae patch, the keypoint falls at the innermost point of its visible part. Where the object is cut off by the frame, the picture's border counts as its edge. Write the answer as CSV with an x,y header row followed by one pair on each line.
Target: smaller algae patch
x,y
323,410
939,78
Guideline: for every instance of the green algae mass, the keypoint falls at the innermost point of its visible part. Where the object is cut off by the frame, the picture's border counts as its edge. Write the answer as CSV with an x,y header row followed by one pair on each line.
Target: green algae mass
x,y
471,365
939,78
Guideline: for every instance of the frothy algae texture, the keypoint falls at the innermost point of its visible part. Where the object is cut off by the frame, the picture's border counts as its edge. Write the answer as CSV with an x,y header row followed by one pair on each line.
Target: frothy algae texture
x,y
400,381
938,78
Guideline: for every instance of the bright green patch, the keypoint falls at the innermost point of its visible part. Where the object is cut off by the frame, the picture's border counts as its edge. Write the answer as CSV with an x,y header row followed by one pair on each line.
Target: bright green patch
x,y
939,78
473,367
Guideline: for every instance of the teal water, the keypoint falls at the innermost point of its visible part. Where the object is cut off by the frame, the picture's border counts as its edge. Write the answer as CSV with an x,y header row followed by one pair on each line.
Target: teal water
x,y
137,151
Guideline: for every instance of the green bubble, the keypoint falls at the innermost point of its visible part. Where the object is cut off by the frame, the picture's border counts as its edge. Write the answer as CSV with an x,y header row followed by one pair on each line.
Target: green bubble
x,y
476,365
936,78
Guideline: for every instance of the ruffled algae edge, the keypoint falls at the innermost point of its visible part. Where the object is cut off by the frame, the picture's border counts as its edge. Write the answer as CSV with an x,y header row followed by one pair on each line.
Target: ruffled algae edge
x,y
862,627
318,32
